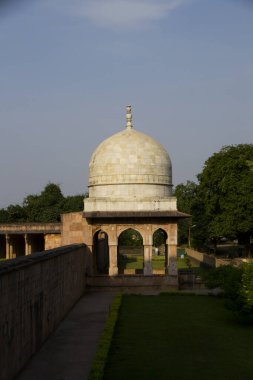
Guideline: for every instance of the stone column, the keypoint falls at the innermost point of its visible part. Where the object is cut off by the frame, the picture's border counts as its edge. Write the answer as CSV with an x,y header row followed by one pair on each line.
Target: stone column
x,y
147,260
172,260
91,265
28,248
8,252
113,260
46,242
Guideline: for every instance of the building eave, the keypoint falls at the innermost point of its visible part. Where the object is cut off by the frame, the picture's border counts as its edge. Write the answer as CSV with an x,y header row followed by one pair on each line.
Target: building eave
x,y
136,214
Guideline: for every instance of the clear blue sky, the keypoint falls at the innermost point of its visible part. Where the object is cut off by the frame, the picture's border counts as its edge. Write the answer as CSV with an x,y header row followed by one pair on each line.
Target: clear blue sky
x,y
69,68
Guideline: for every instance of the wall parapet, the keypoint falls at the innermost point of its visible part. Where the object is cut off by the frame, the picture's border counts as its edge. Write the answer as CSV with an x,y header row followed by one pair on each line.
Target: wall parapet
x,y
36,292
19,228
25,261
208,260
203,258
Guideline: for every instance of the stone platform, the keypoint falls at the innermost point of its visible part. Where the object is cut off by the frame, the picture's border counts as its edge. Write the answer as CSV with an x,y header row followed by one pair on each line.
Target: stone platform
x,y
154,282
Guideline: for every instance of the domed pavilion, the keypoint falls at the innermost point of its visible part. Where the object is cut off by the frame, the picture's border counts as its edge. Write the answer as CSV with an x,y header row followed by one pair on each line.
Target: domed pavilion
x,y
130,187
130,171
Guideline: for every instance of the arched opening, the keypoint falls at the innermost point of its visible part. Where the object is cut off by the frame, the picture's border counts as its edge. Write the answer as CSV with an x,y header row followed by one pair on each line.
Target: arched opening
x,y
18,245
101,250
130,252
159,251
37,242
2,247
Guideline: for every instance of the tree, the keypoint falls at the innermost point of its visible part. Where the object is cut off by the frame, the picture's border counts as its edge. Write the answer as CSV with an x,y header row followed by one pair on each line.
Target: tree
x,y
159,238
186,197
13,214
4,216
226,192
44,207
74,203
130,238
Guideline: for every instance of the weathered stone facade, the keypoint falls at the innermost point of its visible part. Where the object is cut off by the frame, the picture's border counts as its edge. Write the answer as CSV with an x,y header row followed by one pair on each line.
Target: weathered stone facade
x,y
19,239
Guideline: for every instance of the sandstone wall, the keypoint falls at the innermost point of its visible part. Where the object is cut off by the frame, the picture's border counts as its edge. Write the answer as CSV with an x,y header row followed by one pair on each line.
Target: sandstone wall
x,y
73,225
36,292
52,241
203,258
206,259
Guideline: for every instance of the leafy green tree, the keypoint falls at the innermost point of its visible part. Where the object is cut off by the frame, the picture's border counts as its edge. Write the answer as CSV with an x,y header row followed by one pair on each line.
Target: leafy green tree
x,y
200,221
226,192
44,207
13,213
4,216
186,198
74,203
130,238
159,238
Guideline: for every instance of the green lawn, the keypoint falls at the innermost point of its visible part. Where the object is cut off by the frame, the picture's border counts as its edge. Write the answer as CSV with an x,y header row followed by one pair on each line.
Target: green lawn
x,y
131,261
158,262
179,338
186,263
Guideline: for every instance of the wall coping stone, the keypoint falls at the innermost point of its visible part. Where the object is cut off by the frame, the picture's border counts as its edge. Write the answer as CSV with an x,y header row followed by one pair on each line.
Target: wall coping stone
x,y
21,262
30,227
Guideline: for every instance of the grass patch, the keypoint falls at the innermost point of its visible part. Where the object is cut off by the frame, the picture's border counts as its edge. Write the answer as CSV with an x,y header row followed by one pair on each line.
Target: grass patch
x,y
158,262
186,263
179,338
131,261
99,361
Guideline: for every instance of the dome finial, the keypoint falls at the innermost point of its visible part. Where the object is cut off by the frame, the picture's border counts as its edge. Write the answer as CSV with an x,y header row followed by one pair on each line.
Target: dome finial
x,y
129,117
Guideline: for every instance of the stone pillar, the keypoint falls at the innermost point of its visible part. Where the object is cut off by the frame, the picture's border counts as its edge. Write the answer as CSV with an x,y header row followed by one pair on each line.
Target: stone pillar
x,y
28,248
147,260
172,260
91,264
113,260
8,252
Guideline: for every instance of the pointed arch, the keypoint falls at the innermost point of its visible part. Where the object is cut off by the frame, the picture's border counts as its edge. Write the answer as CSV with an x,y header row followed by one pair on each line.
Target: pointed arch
x,y
101,250
159,256
130,252
160,237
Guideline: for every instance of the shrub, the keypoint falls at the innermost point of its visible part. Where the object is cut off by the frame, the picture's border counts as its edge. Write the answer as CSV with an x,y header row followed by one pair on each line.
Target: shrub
x,y
227,278
100,359
237,285
246,293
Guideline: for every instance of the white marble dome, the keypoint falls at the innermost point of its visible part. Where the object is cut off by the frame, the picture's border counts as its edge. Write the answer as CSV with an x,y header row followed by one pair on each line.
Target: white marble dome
x,y
128,171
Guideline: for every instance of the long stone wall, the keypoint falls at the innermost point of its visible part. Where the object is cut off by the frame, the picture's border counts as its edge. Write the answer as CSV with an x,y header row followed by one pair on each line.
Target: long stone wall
x,y
203,258
206,259
36,292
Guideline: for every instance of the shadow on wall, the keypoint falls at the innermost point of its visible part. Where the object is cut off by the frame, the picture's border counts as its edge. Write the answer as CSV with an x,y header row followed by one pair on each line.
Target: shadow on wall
x,y
41,288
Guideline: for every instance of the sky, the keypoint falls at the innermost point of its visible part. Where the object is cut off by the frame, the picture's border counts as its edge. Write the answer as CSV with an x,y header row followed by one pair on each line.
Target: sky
x,y
69,68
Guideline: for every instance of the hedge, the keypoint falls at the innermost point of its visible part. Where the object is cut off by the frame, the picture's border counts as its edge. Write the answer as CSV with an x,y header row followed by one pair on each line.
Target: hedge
x,y
100,359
